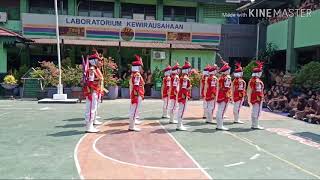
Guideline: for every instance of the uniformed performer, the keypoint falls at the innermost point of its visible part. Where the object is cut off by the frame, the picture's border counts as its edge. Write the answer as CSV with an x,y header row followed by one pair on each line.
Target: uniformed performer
x,y
91,90
98,60
238,91
136,92
224,94
255,95
166,83
202,85
211,93
173,90
184,94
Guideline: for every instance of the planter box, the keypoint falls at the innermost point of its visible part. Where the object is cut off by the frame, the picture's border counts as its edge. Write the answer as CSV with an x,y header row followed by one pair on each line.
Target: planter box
x,y
125,93
195,93
67,91
42,94
113,92
51,91
76,92
155,94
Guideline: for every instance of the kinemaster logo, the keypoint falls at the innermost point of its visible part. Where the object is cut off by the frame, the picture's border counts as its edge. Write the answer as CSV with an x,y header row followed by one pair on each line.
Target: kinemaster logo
x,y
269,13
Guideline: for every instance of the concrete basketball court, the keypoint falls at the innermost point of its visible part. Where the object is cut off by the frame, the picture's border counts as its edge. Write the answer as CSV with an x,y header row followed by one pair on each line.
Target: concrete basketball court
x,y
48,141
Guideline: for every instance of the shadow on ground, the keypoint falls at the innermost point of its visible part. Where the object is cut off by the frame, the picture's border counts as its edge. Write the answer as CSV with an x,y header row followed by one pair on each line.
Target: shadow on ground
x,y
308,135
66,133
74,119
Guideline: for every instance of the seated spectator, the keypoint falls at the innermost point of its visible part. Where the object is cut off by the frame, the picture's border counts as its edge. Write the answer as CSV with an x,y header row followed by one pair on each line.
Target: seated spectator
x,y
309,109
291,105
302,103
272,103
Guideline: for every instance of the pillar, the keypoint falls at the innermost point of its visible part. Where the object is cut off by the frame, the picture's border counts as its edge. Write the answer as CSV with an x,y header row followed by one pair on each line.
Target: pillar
x,y
24,6
200,13
3,58
25,56
72,8
291,54
159,10
117,9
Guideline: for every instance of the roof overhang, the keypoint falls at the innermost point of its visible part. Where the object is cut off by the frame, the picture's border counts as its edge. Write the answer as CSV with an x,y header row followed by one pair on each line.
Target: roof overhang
x,y
12,37
154,45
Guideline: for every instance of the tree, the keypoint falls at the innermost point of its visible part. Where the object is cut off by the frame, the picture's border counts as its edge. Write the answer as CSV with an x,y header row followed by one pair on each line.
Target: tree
x,y
308,77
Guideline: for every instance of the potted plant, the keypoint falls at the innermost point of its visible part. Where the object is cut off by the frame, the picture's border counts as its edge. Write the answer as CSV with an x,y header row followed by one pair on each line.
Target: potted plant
x,y
71,78
125,88
110,81
195,79
18,73
157,83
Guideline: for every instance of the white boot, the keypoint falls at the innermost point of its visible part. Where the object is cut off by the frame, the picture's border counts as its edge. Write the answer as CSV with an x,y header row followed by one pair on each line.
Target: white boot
x,y
255,124
220,125
209,118
132,126
172,121
90,128
96,122
180,126
236,119
98,117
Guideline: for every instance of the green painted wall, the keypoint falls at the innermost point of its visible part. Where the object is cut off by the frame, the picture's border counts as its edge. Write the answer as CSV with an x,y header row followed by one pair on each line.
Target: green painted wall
x,y
207,57
3,58
117,9
277,34
12,25
72,7
24,6
307,30
214,20
140,1
160,10
179,3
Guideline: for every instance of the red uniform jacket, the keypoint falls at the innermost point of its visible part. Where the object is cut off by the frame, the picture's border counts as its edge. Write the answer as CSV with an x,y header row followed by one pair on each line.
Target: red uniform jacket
x,y
185,87
203,82
256,86
166,83
92,85
174,89
137,87
224,91
211,87
239,89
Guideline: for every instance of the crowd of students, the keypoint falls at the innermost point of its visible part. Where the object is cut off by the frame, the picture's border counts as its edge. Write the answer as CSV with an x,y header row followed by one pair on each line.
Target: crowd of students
x,y
282,98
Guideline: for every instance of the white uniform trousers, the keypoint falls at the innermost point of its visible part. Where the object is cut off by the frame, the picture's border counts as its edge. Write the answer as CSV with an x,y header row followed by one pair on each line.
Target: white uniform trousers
x,y
173,109
134,112
98,104
182,109
204,105
222,107
255,114
91,108
211,105
236,110
165,107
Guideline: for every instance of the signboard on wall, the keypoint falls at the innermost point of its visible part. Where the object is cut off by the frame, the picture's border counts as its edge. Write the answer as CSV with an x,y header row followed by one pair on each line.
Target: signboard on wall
x,y
3,17
42,25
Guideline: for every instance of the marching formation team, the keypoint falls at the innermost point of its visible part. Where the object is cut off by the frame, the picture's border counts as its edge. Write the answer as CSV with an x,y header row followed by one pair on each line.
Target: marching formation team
x,y
176,91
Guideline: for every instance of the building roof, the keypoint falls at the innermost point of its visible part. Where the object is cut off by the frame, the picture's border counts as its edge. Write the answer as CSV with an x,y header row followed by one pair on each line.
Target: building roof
x,y
7,33
126,44
263,4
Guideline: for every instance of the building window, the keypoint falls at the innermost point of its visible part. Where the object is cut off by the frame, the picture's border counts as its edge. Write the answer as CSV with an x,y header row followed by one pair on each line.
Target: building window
x,y
47,7
199,63
12,8
175,13
95,8
138,11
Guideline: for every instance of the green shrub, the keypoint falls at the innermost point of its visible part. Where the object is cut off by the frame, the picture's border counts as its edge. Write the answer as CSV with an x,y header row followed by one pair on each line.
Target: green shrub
x,y
308,77
195,78
247,71
125,83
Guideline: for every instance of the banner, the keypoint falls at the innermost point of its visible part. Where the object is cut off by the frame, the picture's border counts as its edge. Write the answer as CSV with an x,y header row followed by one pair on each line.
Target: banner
x,y
43,26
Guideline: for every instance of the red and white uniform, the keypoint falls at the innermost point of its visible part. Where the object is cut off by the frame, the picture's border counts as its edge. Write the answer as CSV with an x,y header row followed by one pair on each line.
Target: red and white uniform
x,y
224,94
173,93
184,93
238,91
91,91
211,93
136,93
202,86
255,95
166,83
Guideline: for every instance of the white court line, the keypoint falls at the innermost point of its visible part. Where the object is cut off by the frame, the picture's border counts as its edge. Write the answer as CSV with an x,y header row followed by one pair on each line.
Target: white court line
x,y
185,151
75,156
275,156
234,164
255,156
15,108
44,108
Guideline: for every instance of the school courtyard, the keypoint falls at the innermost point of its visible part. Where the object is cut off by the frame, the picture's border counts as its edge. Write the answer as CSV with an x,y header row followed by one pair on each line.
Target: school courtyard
x,y
47,141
